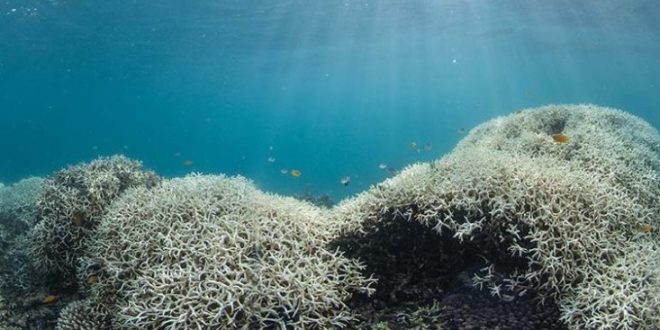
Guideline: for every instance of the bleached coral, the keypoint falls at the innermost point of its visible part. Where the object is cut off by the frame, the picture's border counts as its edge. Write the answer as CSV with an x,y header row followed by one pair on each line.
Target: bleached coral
x,y
83,315
576,213
213,252
71,204
626,295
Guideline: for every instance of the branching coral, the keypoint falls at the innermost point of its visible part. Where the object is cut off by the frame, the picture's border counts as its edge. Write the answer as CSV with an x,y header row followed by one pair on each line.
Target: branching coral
x,y
559,204
566,220
213,252
83,315
71,204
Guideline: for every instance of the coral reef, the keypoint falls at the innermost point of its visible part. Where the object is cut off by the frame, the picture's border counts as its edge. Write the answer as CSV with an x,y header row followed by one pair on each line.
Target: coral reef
x,y
18,201
17,209
214,252
546,218
83,315
467,307
71,205
54,217
567,222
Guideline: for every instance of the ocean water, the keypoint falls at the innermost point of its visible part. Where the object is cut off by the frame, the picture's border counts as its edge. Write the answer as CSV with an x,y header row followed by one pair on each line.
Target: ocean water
x,y
331,88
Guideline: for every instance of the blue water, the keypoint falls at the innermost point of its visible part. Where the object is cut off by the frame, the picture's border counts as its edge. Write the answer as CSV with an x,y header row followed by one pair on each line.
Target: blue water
x,y
334,87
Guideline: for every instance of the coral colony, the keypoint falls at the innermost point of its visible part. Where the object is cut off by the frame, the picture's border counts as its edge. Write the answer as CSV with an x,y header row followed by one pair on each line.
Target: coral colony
x,y
543,219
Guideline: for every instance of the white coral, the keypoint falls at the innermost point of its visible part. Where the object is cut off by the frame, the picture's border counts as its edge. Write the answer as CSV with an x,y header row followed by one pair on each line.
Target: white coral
x,y
214,252
574,210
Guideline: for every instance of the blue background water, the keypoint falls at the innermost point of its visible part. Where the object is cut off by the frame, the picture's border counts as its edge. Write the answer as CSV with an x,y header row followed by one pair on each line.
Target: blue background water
x,y
335,87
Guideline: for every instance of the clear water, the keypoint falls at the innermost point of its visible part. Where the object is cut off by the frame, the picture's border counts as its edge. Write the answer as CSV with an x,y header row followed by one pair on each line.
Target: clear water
x,y
334,87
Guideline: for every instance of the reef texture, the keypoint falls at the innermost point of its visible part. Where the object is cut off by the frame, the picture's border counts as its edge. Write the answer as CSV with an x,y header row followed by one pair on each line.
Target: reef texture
x,y
559,202
211,252
55,216
18,201
17,209
84,315
71,205
544,219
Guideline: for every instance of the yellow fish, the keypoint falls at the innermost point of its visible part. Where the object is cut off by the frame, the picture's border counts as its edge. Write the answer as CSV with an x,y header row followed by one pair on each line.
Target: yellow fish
x,y
296,173
49,299
413,145
93,279
188,162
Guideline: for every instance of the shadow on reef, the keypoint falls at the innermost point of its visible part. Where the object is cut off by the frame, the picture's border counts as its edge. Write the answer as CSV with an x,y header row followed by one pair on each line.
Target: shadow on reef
x,y
424,282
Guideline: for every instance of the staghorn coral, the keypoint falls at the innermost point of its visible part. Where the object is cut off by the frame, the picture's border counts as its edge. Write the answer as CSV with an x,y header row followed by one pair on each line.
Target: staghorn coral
x,y
564,222
211,252
511,210
83,315
54,216
71,205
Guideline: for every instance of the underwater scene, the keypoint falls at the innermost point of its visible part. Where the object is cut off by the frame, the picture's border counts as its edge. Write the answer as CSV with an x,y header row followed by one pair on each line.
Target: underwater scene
x,y
321,164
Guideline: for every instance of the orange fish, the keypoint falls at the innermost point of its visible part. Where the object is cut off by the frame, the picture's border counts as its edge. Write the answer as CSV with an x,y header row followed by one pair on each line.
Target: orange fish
x,y
188,162
560,138
49,299
296,173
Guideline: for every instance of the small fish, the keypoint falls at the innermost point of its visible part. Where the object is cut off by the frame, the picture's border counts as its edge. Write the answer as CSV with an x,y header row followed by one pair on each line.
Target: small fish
x,y
284,171
271,159
49,299
270,148
382,166
428,147
345,180
413,145
296,173
188,162
177,154
646,228
93,279
461,130
560,138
